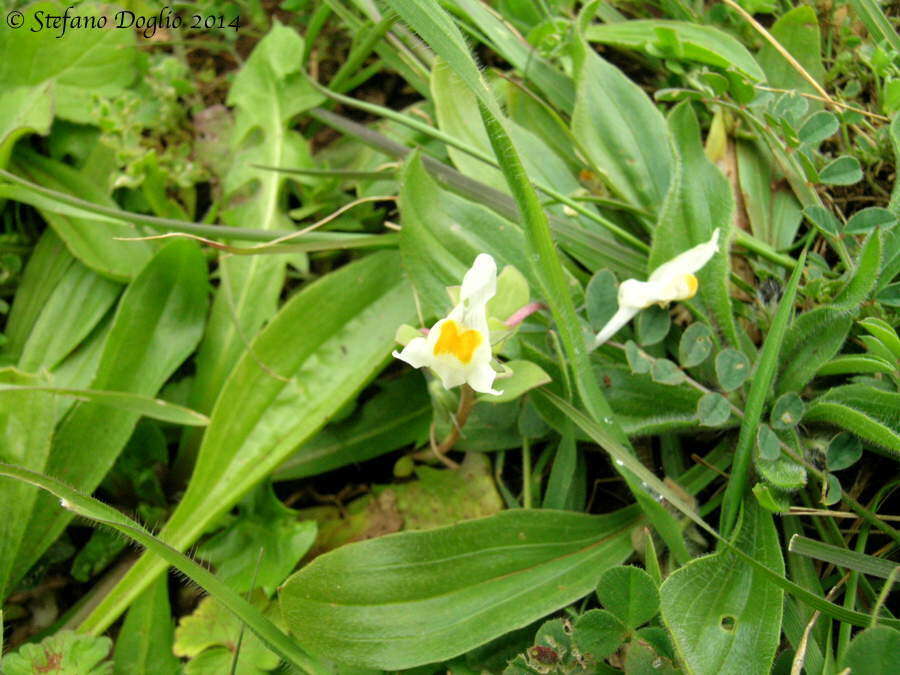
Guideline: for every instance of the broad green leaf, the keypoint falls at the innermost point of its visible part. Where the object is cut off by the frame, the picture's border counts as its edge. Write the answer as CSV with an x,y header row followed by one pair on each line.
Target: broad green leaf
x,y
695,42
844,451
812,341
415,598
622,133
638,361
635,400
868,219
25,441
870,413
263,136
560,485
874,650
525,377
844,170
652,325
820,126
724,615
23,110
642,658
732,368
630,594
78,303
262,546
666,372
598,633
47,265
71,68
713,409
601,298
318,351
773,209
144,644
398,415
699,200
787,411
93,242
798,32
695,345
62,652
442,234
157,325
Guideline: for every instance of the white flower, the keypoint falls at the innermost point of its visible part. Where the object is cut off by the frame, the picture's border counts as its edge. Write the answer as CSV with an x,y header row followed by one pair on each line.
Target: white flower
x,y
458,347
673,280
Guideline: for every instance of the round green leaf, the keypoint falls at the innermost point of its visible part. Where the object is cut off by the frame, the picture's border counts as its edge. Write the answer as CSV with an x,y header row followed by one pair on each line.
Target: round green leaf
x,y
652,325
637,361
696,344
768,443
630,594
873,651
787,411
818,127
666,372
732,368
844,451
833,493
822,218
713,409
598,633
844,170
869,219
601,298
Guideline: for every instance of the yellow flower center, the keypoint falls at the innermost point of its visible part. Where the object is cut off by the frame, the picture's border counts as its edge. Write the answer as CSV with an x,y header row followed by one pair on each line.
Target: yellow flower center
x,y
691,282
461,343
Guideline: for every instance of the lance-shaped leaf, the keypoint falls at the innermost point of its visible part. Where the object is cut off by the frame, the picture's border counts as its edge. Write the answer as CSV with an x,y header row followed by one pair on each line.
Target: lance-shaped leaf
x,y
418,597
323,346
724,615
250,285
157,325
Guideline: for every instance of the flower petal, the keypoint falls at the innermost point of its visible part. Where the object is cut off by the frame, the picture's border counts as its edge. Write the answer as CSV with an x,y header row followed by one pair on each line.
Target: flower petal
x,y
417,353
480,283
688,262
481,379
622,316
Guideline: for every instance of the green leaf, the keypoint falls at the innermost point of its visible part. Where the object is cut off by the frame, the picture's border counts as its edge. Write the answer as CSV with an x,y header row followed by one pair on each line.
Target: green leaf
x,y
883,331
870,218
262,546
94,242
641,658
437,250
621,131
698,201
798,32
713,409
782,473
69,69
864,275
212,626
812,341
419,597
525,377
666,372
398,415
857,363
695,345
101,513
818,127
874,650
635,400
853,560
62,652
145,642
787,411
652,325
697,42
157,325
630,594
844,450
638,361
319,351
23,110
28,431
145,406
844,170
263,135
598,633
879,26
824,219
870,413
723,614
601,298
732,368
767,443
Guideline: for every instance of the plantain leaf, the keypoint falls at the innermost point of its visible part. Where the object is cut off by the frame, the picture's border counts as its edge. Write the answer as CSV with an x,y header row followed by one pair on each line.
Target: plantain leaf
x,y
145,642
724,615
870,413
414,598
315,355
